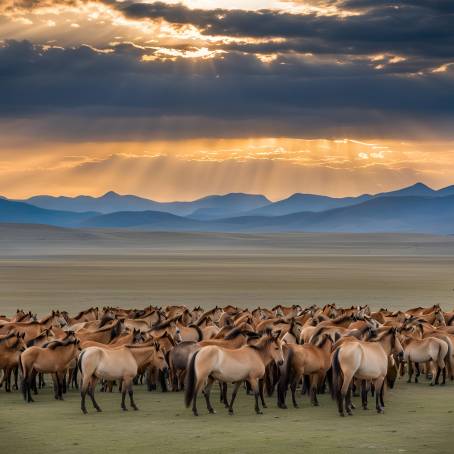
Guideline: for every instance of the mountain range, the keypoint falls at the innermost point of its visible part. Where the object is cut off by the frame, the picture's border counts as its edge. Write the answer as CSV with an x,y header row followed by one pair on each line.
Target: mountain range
x,y
417,208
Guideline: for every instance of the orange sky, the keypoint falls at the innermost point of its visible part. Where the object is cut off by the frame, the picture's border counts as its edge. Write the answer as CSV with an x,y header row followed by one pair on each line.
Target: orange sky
x,y
187,169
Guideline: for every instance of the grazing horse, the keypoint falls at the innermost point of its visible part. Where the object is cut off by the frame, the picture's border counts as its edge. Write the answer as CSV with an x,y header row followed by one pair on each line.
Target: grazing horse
x,y
365,361
53,358
231,365
120,363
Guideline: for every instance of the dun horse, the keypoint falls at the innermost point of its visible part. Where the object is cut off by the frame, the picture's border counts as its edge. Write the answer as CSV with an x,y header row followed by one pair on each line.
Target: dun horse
x,y
231,365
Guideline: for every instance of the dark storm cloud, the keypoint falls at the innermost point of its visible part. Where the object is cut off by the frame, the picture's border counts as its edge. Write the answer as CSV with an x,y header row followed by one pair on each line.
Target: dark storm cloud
x,y
288,96
340,89
404,27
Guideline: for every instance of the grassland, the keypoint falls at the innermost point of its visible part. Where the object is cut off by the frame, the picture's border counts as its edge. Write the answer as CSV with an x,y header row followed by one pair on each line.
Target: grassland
x,y
43,268
417,418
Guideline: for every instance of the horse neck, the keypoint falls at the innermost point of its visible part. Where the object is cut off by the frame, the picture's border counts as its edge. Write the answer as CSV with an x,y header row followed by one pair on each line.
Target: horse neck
x,y
263,352
386,344
67,352
142,354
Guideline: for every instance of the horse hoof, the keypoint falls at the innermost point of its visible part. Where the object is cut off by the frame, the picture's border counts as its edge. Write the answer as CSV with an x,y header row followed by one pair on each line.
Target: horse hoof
x,y
135,408
212,412
84,411
316,404
295,406
342,414
124,409
98,410
259,412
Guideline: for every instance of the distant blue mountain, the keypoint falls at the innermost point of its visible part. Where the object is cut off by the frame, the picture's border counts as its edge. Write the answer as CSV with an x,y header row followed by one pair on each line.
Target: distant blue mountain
x,y
111,202
417,208
306,202
25,213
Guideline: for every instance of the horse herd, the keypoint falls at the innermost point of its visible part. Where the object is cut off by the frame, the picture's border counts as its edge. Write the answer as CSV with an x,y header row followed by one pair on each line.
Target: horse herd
x,y
348,350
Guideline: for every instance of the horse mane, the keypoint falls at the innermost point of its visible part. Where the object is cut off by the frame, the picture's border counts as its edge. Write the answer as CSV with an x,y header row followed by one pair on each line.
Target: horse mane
x,y
202,318
233,334
32,342
199,331
23,316
322,341
116,330
166,323
8,336
106,318
52,345
341,319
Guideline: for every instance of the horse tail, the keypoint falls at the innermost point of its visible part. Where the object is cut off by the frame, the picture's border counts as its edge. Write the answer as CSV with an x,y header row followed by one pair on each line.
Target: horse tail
x,y
79,363
191,380
336,373
284,379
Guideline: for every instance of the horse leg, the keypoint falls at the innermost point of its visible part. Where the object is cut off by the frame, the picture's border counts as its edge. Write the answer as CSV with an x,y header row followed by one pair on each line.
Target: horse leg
x,y
437,377
410,371
7,375
382,394
348,401
342,393
379,382
91,393
206,393
433,371
262,398
16,377
293,386
83,393
255,389
31,380
131,397
234,393
314,383
123,395
364,394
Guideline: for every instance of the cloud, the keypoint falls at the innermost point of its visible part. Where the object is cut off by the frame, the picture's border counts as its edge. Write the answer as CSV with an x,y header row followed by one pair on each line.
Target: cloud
x,y
228,95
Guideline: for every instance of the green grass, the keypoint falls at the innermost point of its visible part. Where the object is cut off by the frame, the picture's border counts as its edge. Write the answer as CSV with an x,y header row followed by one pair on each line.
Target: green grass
x,y
417,418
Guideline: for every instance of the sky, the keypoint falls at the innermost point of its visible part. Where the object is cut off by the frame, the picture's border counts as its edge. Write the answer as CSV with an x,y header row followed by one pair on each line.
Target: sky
x,y
177,100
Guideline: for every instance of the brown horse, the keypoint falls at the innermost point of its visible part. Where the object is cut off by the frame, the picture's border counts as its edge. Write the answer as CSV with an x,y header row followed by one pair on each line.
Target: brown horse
x,y
53,358
11,347
308,361
231,365
120,363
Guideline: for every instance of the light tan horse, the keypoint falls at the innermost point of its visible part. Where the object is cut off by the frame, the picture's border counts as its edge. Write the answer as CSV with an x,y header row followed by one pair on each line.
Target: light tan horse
x,y
53,358
231,365
120,363
365,361
429,349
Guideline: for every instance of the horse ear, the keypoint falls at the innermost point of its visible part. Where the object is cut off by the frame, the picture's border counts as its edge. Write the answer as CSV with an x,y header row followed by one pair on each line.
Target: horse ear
x,y
276,335
157,346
